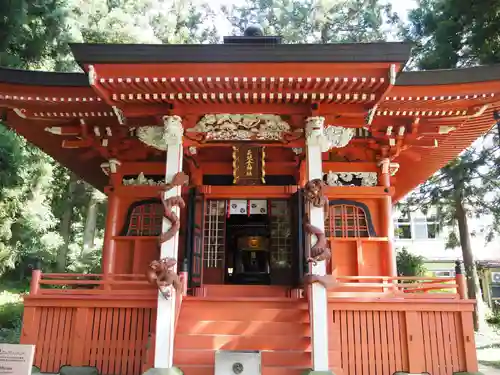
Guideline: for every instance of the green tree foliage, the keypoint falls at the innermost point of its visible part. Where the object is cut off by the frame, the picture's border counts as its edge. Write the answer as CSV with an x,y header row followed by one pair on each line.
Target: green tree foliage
x,y
45,211
313,21
26,217
34,195
30,32
32,35
145,21
409,264
450,34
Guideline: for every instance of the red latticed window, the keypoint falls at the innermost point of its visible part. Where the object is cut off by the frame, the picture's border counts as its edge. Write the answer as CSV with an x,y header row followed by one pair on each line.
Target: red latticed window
x,y
146,220
346,221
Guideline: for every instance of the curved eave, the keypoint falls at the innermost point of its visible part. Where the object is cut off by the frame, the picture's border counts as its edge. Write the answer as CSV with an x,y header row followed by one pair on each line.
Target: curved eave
x,y
457,76
89,169
24,87
413,173
47,91
239,53
40,78
469,89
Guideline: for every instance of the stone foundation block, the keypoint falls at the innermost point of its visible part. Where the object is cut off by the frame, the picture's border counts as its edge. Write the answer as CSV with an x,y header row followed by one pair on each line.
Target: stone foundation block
x,y
78,370
312,372
164,371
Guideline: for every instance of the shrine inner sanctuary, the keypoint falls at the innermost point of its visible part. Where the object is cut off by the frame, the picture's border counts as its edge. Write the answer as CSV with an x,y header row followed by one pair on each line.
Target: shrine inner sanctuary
x,y
250,191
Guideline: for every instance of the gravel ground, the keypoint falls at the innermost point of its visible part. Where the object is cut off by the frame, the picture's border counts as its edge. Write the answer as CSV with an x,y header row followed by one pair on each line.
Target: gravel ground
x,y
488,352
487,338
486,370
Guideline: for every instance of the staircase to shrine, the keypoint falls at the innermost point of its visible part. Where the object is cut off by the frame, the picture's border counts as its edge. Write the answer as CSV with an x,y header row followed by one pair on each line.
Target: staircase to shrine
x,y
244,318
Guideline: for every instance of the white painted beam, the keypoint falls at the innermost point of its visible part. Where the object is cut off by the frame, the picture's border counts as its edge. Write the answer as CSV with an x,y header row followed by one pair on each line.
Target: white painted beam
x,y
318,301
165,319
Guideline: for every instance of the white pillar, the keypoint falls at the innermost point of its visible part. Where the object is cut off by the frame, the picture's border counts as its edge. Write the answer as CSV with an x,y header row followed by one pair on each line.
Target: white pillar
x,y
319,140
165,319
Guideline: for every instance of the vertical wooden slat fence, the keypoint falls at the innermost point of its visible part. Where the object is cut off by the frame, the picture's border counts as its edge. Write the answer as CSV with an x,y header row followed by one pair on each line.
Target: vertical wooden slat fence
x,y
111,336
375,333
383,337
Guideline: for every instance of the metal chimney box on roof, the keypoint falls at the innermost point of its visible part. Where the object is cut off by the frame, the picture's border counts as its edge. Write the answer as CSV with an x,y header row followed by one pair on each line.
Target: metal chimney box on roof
x,y
252,40
229,362
252,35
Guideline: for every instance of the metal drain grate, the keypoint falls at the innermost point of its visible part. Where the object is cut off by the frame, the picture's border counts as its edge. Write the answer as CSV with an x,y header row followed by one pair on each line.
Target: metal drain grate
x,y
230,362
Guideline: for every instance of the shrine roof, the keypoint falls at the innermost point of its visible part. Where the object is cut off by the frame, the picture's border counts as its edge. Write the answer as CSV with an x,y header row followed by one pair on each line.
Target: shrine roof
x,y
240,53
450,76
413,113
41,78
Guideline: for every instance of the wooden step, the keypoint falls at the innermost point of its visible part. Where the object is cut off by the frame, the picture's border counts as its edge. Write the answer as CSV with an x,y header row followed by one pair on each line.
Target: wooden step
x,y
248,303
269,370
225,327
246,291
235,342
269,358
278,327
244,311
288,358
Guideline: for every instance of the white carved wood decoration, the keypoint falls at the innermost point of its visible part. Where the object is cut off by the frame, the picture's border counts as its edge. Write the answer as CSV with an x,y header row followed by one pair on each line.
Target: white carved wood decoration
x,y
344,178
241,127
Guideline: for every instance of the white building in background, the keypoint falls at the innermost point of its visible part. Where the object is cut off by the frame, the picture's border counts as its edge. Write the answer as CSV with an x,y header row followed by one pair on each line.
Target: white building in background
x,y
420,235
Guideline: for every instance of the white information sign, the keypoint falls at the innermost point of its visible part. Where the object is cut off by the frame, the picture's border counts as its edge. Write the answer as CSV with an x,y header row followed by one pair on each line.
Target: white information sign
x,y
16,359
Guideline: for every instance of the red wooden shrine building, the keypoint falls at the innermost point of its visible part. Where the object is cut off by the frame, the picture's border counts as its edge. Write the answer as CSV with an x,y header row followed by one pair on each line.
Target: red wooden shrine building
x,y
251,121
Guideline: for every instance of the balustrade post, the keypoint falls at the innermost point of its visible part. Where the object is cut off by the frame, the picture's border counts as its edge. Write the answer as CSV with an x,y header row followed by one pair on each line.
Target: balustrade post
x,y
184,275
460,280
83,316
414,341
36,276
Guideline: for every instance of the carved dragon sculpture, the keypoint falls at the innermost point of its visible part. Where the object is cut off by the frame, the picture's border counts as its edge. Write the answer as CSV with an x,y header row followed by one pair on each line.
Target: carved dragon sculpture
x,y
320,251
328,281
162,275
313,193
161,272
178,180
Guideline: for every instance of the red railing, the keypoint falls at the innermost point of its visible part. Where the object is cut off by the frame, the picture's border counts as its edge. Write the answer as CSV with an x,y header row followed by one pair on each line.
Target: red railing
x,y
402,287
87,284
110,326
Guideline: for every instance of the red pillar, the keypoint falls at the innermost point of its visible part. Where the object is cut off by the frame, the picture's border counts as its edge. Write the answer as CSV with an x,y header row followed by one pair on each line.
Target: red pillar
x,y
387,223
112,229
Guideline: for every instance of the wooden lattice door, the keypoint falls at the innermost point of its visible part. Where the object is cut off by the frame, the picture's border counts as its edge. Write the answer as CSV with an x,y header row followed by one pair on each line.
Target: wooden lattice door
x,y
298,252
193,246
194,243
281,248
214,241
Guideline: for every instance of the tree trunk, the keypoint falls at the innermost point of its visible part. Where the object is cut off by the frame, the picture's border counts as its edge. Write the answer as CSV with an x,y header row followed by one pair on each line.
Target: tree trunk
x,y
324,34
90,224
473,285
65,225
